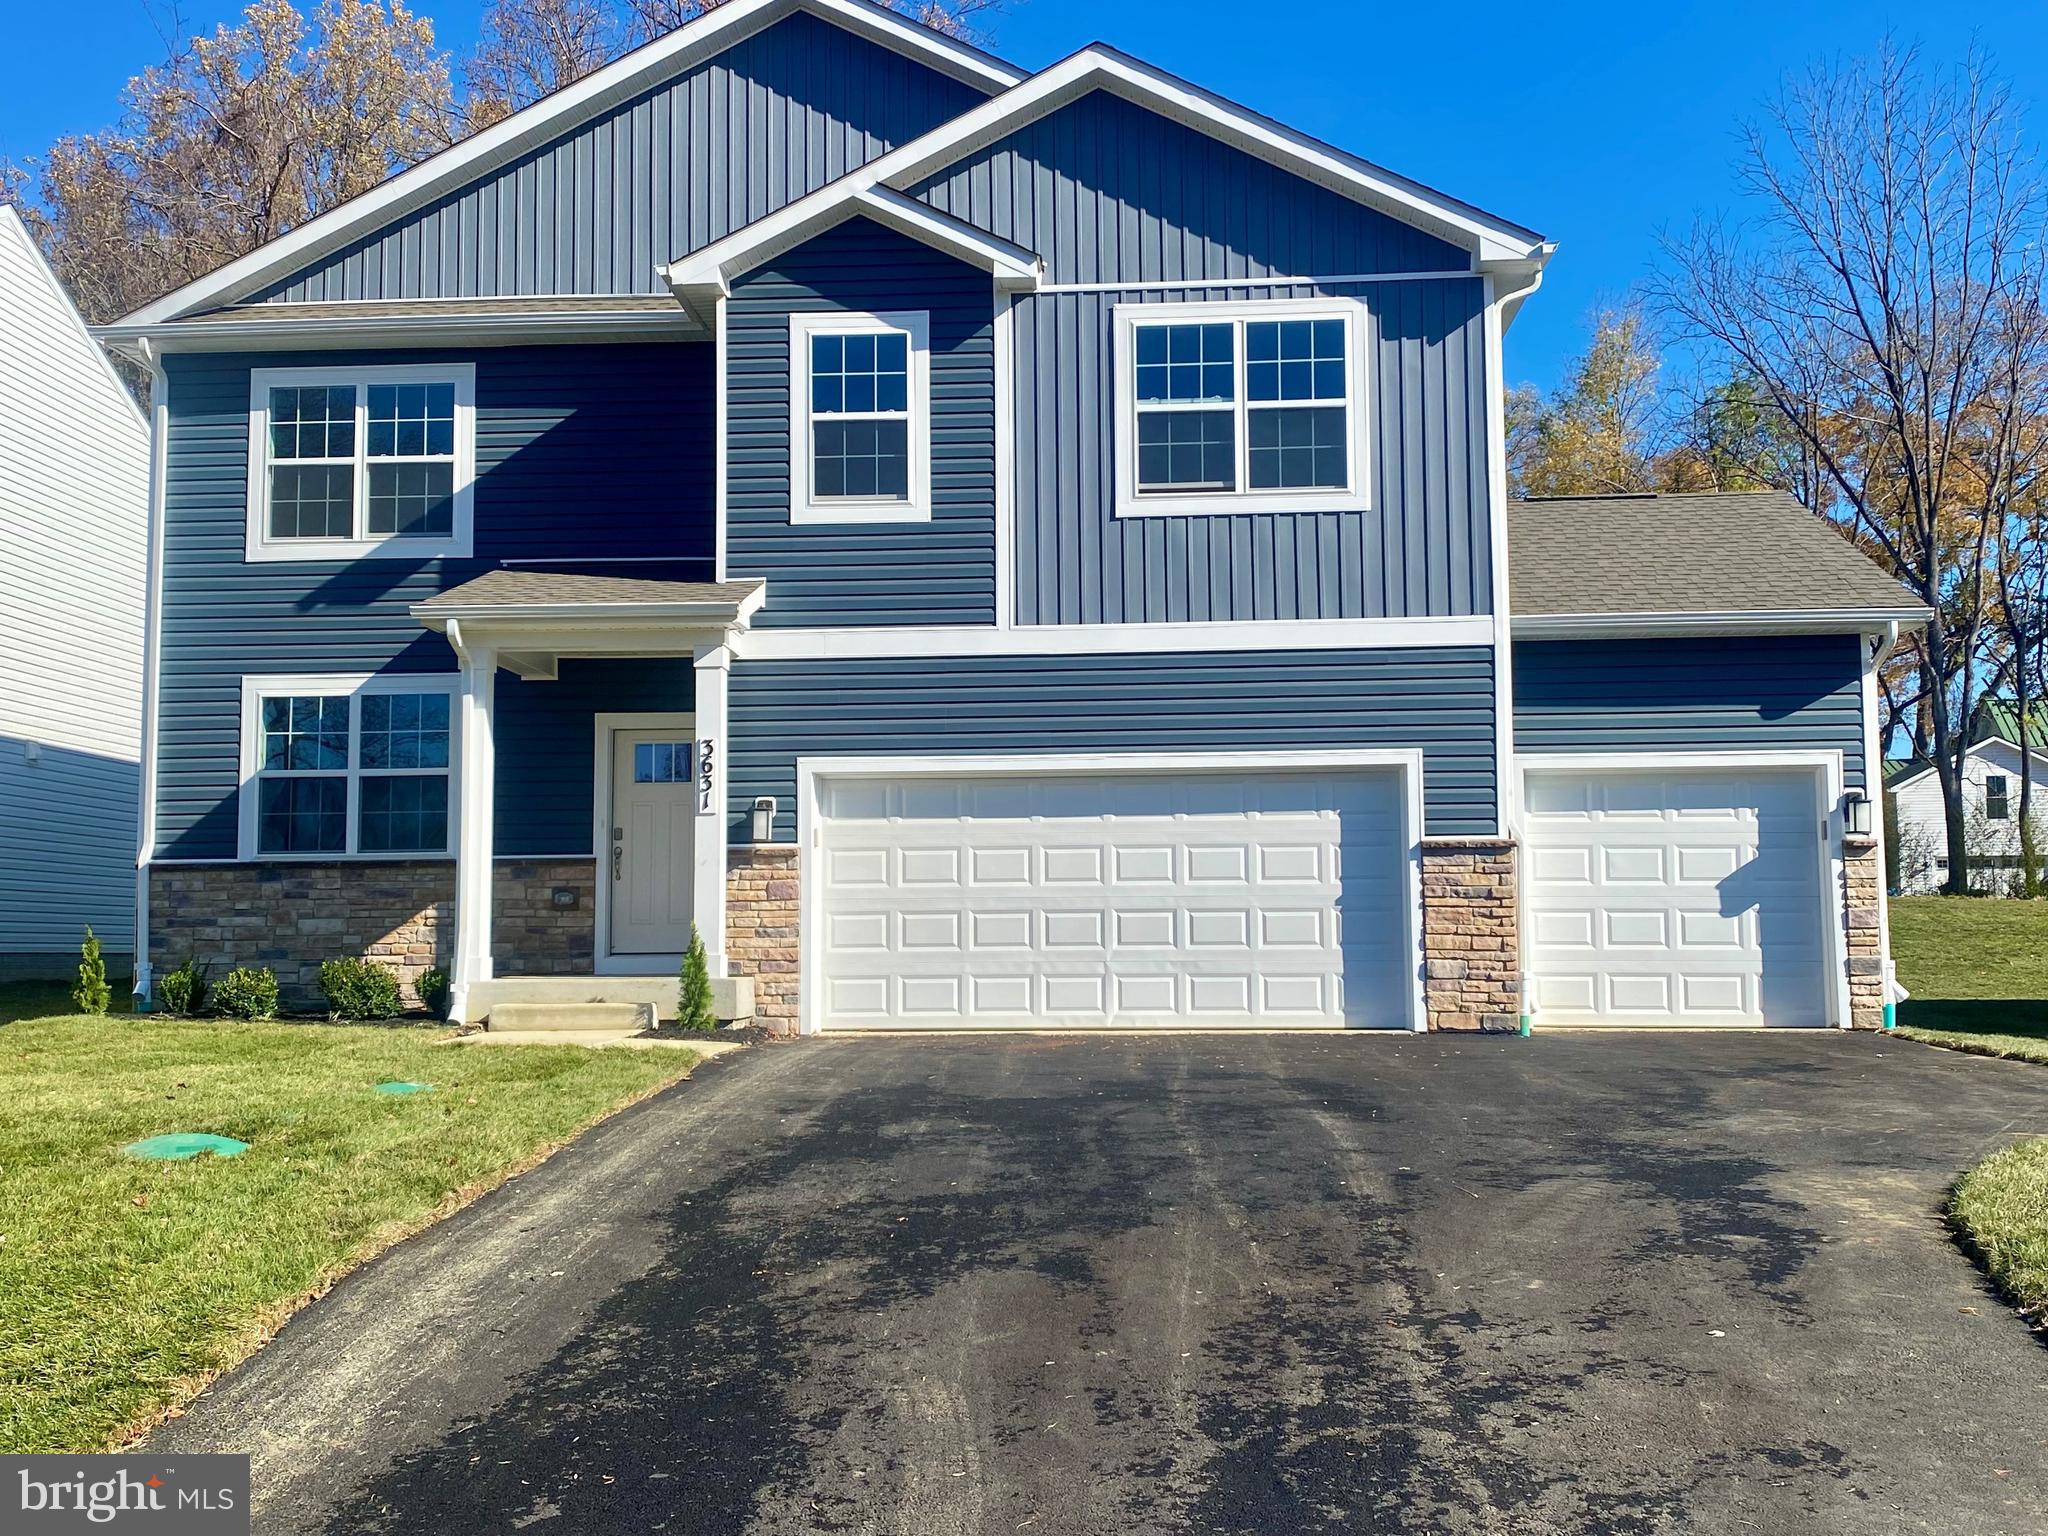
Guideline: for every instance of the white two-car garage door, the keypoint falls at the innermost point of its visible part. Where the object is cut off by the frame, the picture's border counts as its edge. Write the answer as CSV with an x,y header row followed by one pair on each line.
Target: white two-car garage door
x,y
1690,896
971,899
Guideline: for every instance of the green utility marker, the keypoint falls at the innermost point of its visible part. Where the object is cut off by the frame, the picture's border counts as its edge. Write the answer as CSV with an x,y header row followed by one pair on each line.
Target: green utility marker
x,y
405,1088
176,1146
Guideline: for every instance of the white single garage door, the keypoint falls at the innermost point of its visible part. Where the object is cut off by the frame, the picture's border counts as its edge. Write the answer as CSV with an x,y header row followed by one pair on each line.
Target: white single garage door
x,y
1126,899
1676,897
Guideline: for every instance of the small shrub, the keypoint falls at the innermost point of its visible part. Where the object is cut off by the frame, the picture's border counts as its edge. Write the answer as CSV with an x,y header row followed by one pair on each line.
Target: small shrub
x,y
359,989
182,993
246,992
695,1011
92,994
432,986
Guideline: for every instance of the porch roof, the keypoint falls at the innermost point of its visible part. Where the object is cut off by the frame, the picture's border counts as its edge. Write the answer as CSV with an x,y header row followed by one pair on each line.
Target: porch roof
x,y
531,619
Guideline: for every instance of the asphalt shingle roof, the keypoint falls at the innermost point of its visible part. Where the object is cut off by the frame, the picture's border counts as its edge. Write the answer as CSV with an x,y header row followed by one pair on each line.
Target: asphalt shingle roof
x,y
549,589
1731,552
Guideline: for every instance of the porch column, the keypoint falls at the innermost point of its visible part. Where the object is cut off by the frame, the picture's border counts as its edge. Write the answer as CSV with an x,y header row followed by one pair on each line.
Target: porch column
x,y
710,832
475,802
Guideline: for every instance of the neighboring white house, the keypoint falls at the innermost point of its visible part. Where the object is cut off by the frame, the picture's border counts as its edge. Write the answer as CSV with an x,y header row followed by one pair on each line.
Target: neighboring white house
x,y
1991,812
74,518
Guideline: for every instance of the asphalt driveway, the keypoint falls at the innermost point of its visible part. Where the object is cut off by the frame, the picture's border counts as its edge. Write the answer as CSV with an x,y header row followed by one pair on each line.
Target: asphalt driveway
x,y
1281,1283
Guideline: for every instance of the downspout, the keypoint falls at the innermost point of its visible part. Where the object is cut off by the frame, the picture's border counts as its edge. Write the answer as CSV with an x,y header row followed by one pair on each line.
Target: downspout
x,y
1894,994
152,647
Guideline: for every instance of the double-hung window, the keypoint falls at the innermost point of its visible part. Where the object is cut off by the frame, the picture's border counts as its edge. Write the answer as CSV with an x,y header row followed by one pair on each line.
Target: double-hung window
x,y
1251,407
351,462
1997,797
347,767
860,418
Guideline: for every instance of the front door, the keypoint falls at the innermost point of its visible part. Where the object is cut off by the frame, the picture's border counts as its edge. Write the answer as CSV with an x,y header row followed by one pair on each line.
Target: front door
x,y
653,797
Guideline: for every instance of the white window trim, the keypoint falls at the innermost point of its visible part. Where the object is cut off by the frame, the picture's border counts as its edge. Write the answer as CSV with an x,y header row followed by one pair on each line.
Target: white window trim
x,y
805,506
458,544
1358,344
256,687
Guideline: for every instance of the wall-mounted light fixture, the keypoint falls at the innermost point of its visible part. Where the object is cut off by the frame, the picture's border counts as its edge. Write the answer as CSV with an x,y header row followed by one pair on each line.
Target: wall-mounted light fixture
x,y
1856,814
764,819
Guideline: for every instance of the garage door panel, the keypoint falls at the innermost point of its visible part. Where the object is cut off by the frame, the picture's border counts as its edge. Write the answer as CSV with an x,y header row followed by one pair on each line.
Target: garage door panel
x,y
1675,896
1146,899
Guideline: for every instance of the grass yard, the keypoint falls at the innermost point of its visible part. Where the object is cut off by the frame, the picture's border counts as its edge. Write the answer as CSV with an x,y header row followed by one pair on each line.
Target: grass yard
x,y
1978,972
125,1285
2001,1209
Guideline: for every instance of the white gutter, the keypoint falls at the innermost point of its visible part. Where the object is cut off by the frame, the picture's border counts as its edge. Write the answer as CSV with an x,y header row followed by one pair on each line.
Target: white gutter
x,y
1760,621
393,330
152,651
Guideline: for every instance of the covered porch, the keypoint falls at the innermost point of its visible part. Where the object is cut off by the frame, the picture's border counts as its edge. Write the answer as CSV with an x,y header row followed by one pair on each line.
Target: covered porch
x,y
656,822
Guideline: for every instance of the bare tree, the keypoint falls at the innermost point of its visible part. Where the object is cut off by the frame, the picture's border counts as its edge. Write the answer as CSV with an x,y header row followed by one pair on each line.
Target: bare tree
x,y
1893,217
532,47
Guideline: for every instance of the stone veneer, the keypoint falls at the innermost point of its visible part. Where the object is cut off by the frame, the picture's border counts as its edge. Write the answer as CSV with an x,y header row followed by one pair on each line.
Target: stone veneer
x,y
760,929
1863,921
1470,951
291,917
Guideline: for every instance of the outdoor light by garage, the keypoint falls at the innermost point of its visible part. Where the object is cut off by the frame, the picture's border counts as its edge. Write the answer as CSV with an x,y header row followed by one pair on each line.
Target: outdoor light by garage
x,y
764,819
1856,814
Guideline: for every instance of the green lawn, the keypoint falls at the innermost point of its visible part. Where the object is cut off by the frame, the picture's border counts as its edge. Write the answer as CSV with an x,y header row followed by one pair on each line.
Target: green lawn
x,y
124,1284
1978,972
2001,1209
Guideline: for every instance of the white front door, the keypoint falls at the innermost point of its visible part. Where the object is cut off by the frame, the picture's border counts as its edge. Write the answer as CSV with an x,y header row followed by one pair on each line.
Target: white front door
x,y
1062,900
651,822
1682,896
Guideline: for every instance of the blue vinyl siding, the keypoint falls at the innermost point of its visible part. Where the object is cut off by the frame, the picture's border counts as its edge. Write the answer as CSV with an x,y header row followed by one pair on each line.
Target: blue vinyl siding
x,y
1440,700
1763,693
596,210
1111,193
1423,546
546,740
940,572
1107,191
581,452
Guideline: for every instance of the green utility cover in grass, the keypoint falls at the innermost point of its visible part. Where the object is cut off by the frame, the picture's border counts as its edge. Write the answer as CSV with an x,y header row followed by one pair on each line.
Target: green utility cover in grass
x,y
179,1145
405,1088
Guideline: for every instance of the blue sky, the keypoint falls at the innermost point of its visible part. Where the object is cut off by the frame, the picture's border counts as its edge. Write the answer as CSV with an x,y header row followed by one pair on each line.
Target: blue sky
x,y
1597,123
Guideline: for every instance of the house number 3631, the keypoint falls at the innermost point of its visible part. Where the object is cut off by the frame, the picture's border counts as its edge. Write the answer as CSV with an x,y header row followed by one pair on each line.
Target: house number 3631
x,y
707,775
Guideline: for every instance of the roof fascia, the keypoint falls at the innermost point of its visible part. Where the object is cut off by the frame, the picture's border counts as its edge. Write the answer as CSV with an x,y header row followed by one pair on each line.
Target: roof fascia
x,y
711,33
259,335
1491,241
1790,621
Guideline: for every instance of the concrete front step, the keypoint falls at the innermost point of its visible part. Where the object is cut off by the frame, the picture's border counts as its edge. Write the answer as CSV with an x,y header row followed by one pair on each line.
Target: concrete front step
x,y
560,1018
732,997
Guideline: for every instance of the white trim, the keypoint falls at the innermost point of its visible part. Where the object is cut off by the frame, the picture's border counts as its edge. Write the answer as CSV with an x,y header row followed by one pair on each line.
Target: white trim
x,y
353,686
718,494
259,546
1300,280
1354,496
1491,240
1113,639
1875,790
809,770
311,332
152,665
1760,621
805,505
1827,769
603,771
505,141
1507,804
1003,360
713,668
474,814
1013,266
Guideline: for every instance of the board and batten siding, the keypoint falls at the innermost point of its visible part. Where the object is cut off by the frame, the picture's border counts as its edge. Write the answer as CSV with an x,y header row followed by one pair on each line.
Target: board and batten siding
x,y
936,572
598,209
582,452
1440,700
74,528
1764,693
1114,195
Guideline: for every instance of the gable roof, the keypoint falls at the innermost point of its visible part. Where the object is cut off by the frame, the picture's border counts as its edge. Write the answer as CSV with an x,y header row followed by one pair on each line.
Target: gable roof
x,y
714,31
1654,561
1903,771
1492,241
